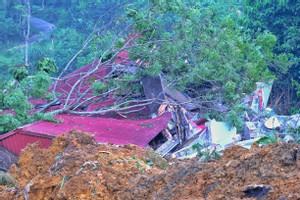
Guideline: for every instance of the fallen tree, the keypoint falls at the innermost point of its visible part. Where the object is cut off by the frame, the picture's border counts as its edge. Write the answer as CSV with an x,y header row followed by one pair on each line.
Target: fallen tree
x,y
195,48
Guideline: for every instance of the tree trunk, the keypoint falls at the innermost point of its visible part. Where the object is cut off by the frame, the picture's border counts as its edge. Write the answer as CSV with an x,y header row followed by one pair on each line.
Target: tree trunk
x,y
27,30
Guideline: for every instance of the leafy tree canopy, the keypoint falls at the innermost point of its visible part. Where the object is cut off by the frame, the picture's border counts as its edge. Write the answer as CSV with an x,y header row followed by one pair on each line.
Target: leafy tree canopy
x,y
206,52
281,18
209,50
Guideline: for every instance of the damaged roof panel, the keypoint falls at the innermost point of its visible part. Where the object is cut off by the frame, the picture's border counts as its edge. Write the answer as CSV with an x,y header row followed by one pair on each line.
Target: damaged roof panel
x,y
105,130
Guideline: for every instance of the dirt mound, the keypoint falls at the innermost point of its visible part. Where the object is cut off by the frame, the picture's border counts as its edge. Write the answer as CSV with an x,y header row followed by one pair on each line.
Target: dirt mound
x,y
240,174
76,167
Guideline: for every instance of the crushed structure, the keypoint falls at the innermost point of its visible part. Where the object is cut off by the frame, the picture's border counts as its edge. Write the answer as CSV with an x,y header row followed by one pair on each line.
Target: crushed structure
x,y
171,125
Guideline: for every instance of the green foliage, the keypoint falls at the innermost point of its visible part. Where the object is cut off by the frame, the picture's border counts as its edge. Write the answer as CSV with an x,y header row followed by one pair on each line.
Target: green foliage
x,y
153,158
154,69
99,87
48,65
9,58
41,83
127,82
208,52
48,117
217,50
295,109
297,85
73,26
139,166
48,96
234,117
10,24
8,122
270,138
17,100
205,155
14,95
6,179
119,43
281,18
19,72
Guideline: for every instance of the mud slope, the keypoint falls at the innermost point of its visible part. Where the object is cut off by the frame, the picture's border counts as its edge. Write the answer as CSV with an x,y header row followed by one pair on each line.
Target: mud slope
x,y
76,167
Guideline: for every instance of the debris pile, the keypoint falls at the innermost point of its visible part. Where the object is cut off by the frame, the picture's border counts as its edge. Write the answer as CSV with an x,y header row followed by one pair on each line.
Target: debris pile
x,y
188,127
76,167
178,127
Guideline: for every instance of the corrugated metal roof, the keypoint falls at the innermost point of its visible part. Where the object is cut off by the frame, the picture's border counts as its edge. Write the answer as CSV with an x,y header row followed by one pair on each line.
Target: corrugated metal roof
x,y
139,132
18,139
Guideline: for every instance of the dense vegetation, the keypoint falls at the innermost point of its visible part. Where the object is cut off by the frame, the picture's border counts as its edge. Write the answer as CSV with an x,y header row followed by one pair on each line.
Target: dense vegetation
x,y
215,52
282,19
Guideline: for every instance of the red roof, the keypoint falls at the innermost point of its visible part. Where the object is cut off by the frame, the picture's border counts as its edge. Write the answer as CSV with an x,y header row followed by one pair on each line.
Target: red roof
x,y
18,139
65,85
106,130
123,55
116,131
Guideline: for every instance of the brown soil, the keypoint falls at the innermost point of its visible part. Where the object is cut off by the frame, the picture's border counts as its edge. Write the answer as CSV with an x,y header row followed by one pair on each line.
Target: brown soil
x,y
76,167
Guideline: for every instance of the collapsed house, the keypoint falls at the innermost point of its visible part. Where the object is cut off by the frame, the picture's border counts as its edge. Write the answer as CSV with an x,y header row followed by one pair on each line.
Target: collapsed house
x,y
137,128
105,130
168,124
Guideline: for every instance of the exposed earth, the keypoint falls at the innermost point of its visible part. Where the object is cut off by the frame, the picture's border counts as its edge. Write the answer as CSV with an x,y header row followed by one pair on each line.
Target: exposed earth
x,y
76,167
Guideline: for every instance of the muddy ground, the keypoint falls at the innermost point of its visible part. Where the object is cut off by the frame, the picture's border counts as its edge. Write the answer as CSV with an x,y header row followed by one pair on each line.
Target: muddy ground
x,y
76,167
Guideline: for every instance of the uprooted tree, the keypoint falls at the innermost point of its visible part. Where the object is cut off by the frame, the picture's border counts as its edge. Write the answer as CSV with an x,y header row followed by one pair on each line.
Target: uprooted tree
x,y
197,48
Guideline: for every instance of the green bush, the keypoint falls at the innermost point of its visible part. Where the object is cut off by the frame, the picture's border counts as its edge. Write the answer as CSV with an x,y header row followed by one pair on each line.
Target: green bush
x,y
6,179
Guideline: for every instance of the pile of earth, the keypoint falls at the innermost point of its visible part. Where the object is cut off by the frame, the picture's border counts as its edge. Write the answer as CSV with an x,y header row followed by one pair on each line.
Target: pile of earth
x,y
76,167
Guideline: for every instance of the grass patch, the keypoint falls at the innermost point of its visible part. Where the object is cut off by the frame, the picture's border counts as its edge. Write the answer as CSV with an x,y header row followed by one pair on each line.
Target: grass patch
x,y
6,179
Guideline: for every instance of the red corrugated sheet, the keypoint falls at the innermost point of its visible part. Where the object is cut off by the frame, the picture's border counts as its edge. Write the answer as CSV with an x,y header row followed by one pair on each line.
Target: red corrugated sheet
x,y
18,139
106,130
65,85
115,131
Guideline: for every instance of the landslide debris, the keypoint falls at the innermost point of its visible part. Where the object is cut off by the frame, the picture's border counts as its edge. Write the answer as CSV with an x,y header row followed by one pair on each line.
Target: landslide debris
x,y
76,167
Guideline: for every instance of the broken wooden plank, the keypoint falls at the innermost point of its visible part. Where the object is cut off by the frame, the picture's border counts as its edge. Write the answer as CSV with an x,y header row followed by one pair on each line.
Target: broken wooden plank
x,y
153,89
